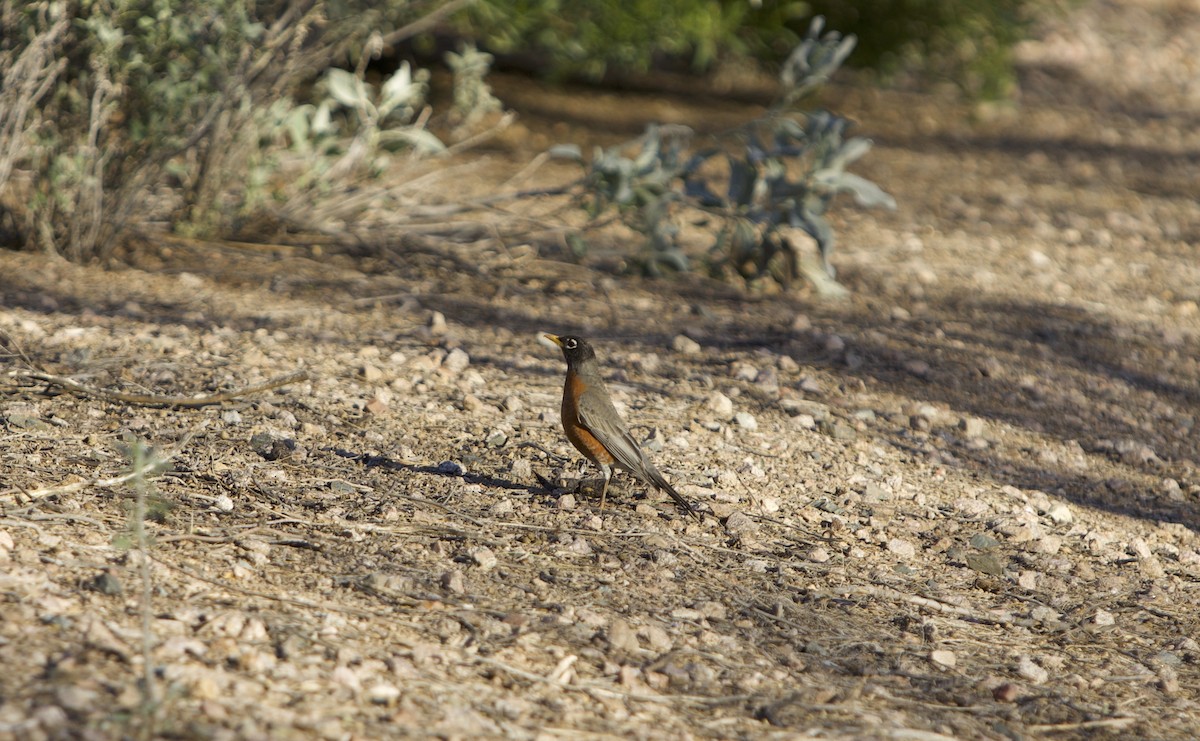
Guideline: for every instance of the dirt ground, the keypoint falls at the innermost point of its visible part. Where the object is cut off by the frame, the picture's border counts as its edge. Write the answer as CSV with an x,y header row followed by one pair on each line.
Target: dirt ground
x,y
962,503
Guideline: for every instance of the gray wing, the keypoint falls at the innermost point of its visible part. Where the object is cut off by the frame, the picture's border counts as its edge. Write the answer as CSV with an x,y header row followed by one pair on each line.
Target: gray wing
x,y
599,416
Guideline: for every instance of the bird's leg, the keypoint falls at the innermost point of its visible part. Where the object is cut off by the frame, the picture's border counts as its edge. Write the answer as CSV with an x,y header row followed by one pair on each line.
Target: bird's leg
x,y
607,471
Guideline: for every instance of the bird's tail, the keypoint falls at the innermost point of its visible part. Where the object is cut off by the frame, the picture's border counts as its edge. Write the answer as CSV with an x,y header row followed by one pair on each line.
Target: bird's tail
x,y
660,482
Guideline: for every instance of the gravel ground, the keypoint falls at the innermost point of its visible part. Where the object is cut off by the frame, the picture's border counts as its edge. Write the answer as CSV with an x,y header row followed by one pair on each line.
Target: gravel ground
x,y
962,503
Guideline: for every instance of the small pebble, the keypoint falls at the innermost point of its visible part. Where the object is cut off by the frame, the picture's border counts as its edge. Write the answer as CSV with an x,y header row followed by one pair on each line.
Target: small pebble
x,y
918,368
796,407
746,421
901,547
810,385
521,468
944,658
452,581
1139,548
451,468
437,323
685,345
720,405
383,694
621,637
1060,514
1027,668
370,373
713,610
841,431
971,426
740,524
1007,693
483,557
105,583
457,361
567,502
743,371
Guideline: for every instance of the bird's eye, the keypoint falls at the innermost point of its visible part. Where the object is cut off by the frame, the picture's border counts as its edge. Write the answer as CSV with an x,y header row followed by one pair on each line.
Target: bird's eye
x,y
571,344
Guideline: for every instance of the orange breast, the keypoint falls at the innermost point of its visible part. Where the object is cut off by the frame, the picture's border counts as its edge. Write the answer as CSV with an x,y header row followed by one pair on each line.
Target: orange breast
x,y
583,440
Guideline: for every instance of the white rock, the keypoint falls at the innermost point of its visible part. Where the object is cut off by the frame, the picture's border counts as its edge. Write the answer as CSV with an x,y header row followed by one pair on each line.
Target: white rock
x,y
739,523
944,658
1139,548
1104,617
383,693
685,345
902,548
720,405
1027,668
522,468
746,421
1060,514
437,323
457,361
484,558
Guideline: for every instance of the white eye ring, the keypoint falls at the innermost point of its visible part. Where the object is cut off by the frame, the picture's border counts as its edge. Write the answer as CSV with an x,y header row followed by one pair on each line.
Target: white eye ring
x,y
571,344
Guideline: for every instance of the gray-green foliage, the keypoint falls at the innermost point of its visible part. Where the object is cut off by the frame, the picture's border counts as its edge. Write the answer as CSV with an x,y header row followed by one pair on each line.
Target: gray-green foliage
x,y
782,174
115,111
473,98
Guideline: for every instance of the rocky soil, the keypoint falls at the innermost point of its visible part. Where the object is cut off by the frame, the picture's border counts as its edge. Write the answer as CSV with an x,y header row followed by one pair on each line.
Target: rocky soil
x,y
962,503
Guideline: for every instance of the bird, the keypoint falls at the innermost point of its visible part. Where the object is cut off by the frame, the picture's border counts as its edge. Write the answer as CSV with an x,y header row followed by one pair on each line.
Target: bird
x,y
594,427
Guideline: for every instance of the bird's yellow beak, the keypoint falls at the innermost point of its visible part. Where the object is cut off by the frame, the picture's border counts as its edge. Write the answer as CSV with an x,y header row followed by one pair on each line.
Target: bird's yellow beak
x,y
547,337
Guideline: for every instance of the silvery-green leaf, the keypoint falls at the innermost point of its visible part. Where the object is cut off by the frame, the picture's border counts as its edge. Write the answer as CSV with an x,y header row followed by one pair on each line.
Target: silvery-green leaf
x,y
418,139
650,149
346,88
399,86
297,124
865,192
566,152
674,259
852,150
322,121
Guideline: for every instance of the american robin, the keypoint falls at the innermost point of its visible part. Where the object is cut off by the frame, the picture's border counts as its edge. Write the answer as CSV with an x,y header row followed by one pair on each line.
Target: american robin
x,y
593,425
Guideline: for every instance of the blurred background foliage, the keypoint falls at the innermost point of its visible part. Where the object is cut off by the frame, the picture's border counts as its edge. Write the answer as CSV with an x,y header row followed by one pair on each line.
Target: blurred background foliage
x,y
967,42
188,114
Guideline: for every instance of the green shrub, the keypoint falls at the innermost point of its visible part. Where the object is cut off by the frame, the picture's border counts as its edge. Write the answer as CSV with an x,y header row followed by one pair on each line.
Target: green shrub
x,y
776,178
118,111
967,41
